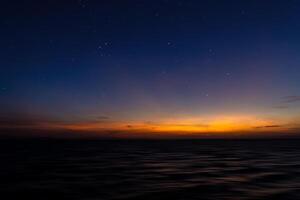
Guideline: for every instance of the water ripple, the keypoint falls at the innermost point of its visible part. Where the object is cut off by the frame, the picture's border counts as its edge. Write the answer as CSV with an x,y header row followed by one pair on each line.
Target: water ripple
x,y
235,170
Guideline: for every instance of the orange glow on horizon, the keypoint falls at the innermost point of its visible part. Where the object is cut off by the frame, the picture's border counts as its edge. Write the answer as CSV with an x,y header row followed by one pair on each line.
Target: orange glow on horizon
x,y
227,125
224,124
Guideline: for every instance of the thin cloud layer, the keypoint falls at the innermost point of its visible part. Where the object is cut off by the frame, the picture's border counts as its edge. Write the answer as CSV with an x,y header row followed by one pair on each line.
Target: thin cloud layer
x,y
291,99
269,126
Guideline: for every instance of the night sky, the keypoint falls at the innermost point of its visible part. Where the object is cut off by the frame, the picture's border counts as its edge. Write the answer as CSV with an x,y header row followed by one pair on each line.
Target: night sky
x,y
150,68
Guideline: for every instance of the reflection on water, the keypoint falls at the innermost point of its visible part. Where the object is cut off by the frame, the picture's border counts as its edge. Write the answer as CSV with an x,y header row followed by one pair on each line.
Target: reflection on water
x,y
216,169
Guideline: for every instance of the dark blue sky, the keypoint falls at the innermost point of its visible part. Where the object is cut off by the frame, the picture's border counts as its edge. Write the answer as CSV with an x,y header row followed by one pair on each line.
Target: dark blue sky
x,y
151,61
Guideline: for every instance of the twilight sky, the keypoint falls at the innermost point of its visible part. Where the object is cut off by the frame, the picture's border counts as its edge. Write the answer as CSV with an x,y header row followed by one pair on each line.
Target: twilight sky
x,y
136,68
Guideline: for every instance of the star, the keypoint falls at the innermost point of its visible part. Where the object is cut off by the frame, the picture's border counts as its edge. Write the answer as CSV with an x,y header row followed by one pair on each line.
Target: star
x,y
82,3
163,72
211,52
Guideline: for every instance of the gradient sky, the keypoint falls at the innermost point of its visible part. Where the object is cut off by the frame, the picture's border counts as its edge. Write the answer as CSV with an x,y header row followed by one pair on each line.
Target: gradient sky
x,y
161,66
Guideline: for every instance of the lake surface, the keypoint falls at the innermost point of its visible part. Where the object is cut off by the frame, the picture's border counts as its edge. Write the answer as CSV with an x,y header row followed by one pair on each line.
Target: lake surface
x,y
162,169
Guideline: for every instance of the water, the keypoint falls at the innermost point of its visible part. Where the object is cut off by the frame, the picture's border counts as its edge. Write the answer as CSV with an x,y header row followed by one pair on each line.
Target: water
x,y
182,169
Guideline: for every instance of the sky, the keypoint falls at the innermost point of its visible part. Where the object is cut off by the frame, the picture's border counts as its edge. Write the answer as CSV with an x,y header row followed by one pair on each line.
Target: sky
x,y
156,68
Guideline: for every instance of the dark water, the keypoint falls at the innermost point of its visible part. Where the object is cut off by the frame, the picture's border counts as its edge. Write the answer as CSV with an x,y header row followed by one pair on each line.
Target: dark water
x,y
216,169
